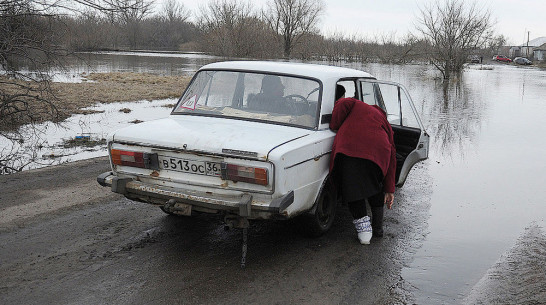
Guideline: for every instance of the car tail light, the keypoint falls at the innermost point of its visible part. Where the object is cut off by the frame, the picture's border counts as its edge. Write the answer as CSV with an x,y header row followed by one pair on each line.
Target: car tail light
x,y
134,159
256,175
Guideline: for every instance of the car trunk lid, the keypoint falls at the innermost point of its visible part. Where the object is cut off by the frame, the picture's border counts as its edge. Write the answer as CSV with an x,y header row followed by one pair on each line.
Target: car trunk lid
x,y
210,135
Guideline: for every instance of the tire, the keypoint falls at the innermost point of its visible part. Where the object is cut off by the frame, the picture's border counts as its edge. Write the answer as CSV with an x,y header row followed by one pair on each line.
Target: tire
x,y
320,220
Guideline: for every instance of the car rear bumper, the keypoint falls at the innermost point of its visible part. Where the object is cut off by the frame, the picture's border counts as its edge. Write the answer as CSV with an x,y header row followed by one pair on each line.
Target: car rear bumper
x,y
177,200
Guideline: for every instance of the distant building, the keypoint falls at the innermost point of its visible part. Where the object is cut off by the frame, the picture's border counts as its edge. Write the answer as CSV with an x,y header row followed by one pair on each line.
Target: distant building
x,y
540,52
514,52
526,50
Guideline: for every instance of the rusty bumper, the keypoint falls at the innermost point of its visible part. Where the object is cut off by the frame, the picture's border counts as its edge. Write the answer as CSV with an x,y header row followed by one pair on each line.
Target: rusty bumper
x,y
240,204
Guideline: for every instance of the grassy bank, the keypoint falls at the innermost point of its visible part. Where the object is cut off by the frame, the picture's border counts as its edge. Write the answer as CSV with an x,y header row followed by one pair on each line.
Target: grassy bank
x,y
117,87
70,98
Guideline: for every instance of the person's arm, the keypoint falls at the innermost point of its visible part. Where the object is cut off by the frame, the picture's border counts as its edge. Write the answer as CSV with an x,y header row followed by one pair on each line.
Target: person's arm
x,y
342,108
389,199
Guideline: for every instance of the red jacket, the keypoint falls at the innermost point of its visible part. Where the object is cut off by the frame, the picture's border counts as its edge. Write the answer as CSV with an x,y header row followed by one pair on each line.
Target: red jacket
x,y
363,131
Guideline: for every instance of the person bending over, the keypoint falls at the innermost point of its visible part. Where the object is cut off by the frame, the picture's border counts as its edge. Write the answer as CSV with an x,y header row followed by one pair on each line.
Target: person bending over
x,y
363,163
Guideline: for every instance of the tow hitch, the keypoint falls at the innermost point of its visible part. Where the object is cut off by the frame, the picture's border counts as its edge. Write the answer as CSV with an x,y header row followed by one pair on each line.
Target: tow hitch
x,y
239,222
177,208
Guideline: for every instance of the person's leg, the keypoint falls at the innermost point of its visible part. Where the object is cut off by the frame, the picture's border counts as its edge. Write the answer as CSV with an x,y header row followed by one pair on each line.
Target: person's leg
x,y
358,208
361,220
377,208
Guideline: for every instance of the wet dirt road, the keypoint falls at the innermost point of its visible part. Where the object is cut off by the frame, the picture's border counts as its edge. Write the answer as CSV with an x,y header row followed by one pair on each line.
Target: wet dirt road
x,y
66,240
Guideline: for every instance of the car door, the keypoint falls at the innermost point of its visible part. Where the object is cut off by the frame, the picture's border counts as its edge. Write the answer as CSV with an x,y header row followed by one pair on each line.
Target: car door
x,y
410,137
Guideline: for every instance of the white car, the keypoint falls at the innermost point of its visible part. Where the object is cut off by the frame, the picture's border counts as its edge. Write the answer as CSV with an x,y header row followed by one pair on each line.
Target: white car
x,y
250,140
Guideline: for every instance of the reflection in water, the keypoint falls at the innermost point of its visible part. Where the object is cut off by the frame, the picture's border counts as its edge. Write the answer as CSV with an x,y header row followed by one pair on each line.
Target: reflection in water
x,y
455,116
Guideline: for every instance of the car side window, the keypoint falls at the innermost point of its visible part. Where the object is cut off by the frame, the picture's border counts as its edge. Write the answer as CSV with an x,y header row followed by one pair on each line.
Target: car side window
x,y
409,117
389,93
398,105
368,93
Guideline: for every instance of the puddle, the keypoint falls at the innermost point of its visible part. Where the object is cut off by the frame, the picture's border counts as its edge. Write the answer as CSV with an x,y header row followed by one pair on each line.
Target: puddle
x,y
49,144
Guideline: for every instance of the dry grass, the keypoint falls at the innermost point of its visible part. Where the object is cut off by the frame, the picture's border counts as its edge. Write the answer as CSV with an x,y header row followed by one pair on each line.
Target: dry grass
x,y
70,98
118,87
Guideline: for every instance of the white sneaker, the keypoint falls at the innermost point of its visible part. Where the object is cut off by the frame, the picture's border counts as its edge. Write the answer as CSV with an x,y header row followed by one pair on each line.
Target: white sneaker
x,y
364,229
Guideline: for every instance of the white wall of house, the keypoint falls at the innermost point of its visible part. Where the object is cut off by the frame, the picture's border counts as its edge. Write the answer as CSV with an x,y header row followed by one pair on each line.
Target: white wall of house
x,y
539,55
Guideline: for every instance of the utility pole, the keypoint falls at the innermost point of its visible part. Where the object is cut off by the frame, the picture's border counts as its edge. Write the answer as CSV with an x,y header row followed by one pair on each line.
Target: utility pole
x,y
528,43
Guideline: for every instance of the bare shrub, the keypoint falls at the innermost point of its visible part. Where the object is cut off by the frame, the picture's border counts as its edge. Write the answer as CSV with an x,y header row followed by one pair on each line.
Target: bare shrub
x,y
233,29
454,29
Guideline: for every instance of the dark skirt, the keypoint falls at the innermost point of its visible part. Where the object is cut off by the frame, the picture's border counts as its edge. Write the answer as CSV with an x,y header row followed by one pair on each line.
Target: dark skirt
x,y
357,178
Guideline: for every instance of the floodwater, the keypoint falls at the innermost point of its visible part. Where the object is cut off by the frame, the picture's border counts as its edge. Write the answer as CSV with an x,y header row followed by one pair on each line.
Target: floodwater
x,y
150,62
487,159
488,165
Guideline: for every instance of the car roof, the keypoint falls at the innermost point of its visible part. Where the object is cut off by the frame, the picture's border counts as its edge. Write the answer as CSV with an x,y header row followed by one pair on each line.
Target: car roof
x,y
322,72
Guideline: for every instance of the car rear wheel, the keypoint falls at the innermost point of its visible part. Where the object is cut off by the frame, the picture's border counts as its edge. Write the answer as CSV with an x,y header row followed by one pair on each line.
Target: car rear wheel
x,y
320,221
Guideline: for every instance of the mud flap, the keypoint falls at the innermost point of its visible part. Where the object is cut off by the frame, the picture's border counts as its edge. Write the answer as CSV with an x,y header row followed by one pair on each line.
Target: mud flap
x,y
118,185
245,205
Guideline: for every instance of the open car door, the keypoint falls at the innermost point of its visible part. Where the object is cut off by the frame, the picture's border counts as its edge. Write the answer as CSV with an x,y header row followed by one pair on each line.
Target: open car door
x,y
410,137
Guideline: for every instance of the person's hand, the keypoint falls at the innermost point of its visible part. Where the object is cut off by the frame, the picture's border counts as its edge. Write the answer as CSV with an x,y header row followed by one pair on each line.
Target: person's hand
x,y
389,199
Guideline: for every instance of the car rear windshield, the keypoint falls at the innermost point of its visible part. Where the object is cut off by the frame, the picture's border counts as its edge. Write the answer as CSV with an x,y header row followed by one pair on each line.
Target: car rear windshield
x,y
253,96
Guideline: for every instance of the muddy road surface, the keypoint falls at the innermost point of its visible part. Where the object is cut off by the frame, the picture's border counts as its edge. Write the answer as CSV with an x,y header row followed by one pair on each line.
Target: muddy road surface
x,y
66,240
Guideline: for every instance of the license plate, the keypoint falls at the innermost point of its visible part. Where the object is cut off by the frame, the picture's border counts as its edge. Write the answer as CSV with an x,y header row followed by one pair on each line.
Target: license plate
x,y
190,166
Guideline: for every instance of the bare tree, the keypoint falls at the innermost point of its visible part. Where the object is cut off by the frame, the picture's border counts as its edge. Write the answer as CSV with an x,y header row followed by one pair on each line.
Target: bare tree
x,y
292,20
173,11
495,43
28,41
169,28
130,14
31,37
230,28
454,29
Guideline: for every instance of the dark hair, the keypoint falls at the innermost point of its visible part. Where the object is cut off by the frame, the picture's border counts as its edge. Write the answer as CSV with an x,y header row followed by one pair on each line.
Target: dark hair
x,y
340,91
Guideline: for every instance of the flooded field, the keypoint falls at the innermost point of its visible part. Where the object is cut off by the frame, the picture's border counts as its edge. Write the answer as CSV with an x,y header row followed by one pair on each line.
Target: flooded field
x,y
487,159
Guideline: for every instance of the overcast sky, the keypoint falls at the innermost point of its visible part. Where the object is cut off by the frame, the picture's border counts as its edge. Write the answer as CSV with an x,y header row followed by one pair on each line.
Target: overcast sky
x,y
369,18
